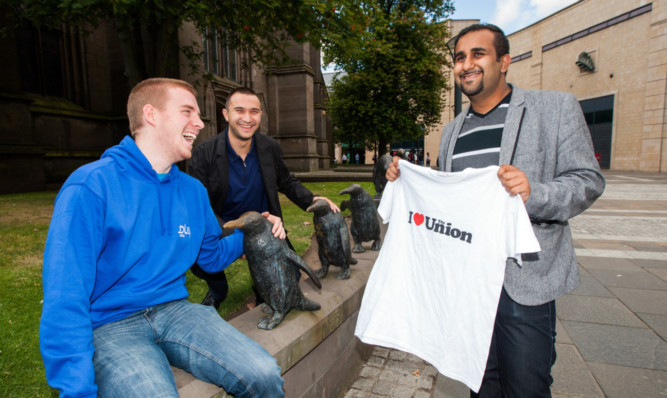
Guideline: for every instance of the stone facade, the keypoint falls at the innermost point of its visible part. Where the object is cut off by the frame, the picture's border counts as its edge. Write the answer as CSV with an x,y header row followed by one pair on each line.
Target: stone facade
x,y
63,97
627,42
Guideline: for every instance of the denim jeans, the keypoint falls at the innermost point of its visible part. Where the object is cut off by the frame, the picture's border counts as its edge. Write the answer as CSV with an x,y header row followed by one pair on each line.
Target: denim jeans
x,y
522,352
132,356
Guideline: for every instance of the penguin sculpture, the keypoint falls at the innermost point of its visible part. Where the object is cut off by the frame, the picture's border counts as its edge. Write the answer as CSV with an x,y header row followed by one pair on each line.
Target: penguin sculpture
x,y
379,174
333,239
365,225
271,264
380,171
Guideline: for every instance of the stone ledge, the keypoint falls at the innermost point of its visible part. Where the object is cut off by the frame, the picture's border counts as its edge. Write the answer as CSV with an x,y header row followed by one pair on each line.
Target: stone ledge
x,y
317,351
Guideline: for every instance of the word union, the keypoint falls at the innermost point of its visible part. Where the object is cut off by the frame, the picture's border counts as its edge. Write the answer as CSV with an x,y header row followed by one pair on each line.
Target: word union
x,y
439,226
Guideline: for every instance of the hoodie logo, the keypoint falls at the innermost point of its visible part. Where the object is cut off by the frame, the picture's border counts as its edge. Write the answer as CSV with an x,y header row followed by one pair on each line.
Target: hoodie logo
x,y
183,230
439,226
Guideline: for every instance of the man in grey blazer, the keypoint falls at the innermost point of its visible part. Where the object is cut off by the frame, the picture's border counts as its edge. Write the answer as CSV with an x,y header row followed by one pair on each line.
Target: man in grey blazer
x,y
544,149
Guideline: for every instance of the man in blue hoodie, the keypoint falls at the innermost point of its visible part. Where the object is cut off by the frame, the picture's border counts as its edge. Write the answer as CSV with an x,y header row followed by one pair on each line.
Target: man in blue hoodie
x,y
124,231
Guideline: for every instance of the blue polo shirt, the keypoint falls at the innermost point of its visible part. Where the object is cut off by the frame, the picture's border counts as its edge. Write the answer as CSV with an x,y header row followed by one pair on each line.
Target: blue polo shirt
x,y
246,186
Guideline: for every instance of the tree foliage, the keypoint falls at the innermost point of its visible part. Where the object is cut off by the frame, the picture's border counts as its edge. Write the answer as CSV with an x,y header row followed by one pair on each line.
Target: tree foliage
x,y
148,29
393,55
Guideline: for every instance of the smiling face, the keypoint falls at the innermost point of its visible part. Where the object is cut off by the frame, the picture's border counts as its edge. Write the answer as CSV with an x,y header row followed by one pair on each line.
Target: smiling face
x,y
477,70
179,124
244,114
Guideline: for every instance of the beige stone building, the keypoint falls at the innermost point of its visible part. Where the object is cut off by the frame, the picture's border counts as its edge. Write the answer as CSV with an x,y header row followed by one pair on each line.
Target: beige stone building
x,y
612,55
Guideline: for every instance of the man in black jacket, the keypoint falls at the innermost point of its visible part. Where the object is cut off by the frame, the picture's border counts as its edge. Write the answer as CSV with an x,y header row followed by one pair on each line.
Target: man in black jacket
x,y
244,171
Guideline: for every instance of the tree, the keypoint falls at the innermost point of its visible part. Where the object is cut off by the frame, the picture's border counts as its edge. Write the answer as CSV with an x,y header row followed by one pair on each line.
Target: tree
x,y
393,56
148,29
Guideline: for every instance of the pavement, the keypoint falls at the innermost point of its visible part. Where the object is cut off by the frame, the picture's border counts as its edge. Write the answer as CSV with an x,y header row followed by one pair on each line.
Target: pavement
x,y
611,330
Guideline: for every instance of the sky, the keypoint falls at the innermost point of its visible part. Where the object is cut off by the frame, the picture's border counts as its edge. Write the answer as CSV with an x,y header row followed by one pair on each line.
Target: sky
x,y
509,15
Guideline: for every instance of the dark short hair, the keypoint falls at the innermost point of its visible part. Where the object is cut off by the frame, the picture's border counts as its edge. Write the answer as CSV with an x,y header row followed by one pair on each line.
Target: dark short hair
x,y
500,42
239,90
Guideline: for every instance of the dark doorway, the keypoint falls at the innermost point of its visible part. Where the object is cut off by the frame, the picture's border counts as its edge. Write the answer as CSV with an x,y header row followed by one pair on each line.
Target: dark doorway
x,y
599,114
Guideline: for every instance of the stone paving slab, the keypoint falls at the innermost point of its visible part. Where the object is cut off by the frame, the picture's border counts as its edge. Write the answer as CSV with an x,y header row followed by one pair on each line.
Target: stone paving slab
x,y
589,286
448,388
648,246
653,227
628,206
590,263
657,322
642,300
628,254
561,333
618,345
635,192
603,310
639,279
604,245
659,272
623,382
649,263
571,375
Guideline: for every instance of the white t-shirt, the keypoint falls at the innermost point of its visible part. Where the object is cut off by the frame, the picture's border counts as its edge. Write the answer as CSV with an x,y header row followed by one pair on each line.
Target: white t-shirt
x,y
434,288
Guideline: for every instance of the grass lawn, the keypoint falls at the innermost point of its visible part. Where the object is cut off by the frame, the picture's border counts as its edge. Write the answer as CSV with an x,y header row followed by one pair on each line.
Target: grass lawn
x,y
24,222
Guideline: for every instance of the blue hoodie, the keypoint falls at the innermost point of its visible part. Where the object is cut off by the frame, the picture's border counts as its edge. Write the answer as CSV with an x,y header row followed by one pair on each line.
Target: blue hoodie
x,y
120,241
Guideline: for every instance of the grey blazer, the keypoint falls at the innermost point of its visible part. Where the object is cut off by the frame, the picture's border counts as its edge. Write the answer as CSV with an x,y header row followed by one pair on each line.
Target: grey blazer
x,y
547,138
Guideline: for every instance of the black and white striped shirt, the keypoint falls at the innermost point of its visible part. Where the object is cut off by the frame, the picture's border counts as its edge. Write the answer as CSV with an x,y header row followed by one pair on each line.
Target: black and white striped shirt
x,y
478,143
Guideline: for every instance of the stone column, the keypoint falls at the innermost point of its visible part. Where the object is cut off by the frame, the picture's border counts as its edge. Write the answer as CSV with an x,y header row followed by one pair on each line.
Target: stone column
x,y
291,110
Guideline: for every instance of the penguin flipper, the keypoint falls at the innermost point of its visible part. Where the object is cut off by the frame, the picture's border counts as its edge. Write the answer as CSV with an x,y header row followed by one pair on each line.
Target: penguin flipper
x,y
298,261
345,242
344,205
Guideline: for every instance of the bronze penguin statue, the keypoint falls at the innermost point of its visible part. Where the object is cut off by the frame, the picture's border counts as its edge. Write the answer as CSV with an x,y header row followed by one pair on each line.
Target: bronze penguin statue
x,y
380,171
333,239
271,263
379,174
365,224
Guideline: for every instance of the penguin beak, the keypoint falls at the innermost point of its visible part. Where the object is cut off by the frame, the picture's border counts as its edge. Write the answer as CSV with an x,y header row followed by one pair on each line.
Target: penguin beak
x,y
315,205
345,191
233,224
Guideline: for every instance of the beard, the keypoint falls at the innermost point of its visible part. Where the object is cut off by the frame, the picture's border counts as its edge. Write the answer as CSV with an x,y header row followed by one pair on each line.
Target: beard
x,y
234,131
472,90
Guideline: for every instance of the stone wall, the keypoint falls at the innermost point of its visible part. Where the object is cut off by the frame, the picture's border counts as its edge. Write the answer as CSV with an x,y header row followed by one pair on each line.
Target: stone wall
x,y
317,351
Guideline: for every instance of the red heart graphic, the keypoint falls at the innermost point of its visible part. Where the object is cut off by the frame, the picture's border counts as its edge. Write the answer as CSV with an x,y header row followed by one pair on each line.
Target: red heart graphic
x,y
419,218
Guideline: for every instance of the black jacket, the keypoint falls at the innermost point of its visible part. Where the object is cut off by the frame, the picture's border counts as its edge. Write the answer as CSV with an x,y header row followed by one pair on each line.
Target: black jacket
x,y
209,165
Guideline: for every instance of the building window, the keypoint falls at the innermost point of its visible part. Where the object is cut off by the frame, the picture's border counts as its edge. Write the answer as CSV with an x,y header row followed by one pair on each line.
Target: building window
x,y
219,58
40,53
229,62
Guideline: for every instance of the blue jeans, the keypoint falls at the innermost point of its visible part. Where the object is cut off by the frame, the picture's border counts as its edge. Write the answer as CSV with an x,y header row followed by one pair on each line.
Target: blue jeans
x,y
132,356
522,352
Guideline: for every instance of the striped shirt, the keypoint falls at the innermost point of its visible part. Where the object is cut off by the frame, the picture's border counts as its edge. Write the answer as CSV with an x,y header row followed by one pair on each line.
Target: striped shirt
x,y
478,143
